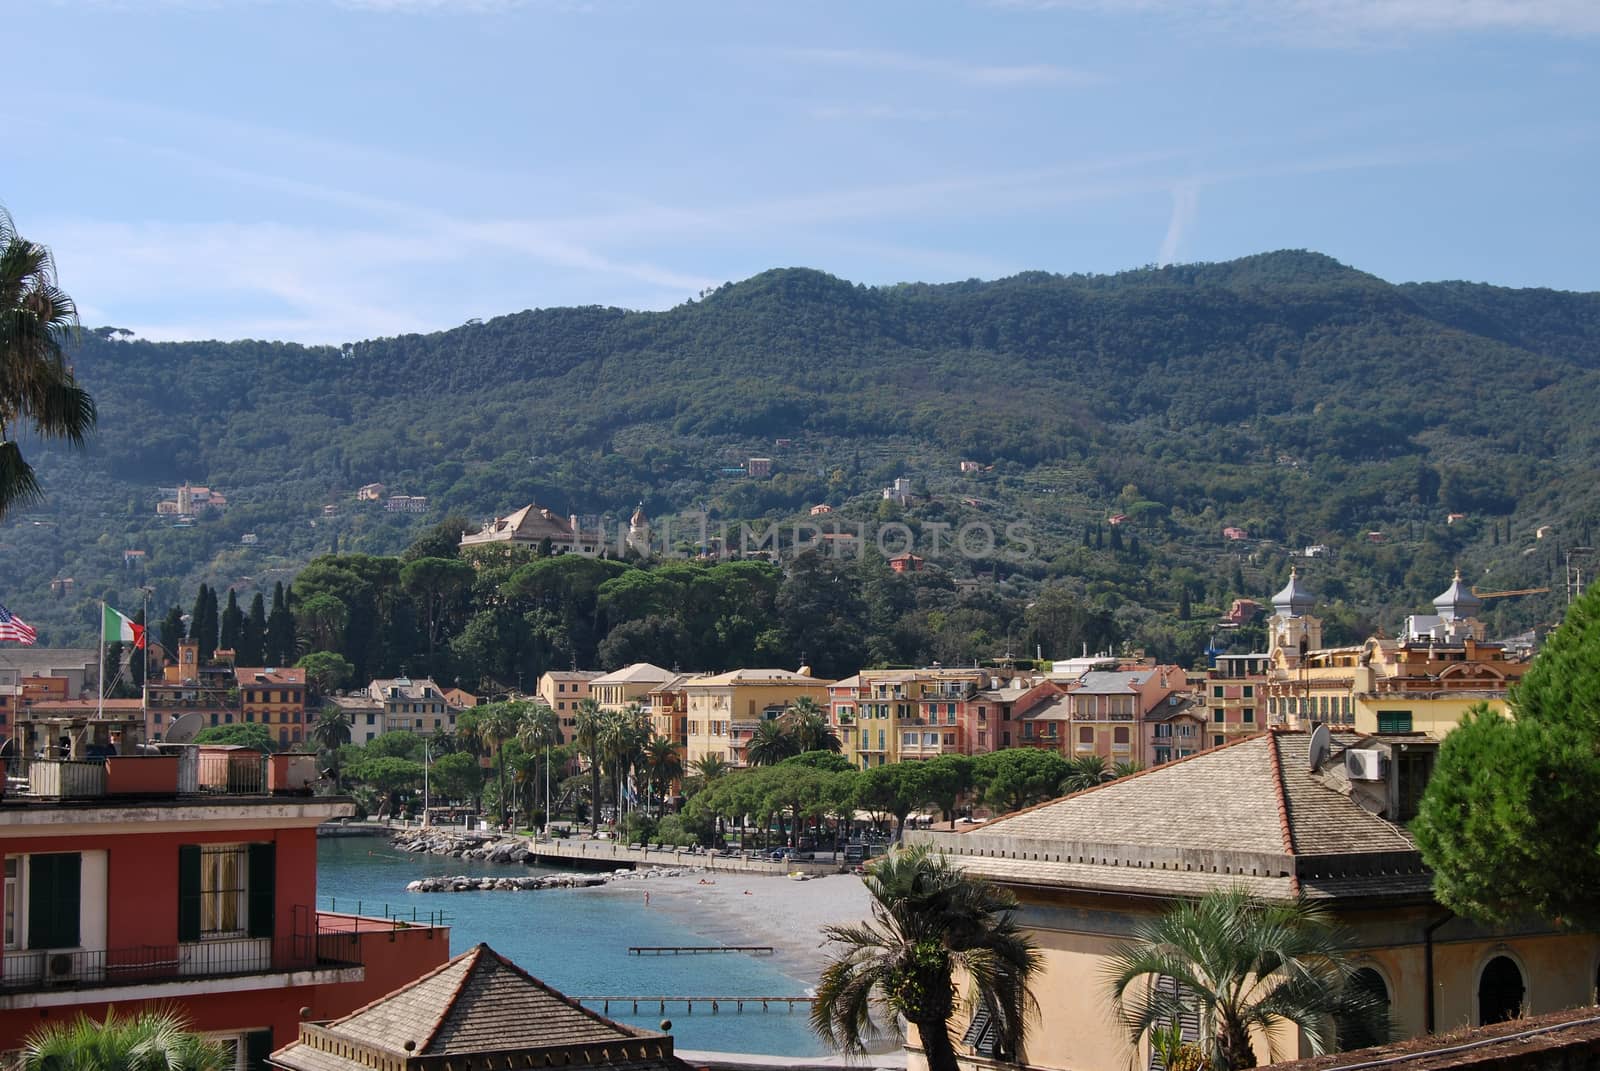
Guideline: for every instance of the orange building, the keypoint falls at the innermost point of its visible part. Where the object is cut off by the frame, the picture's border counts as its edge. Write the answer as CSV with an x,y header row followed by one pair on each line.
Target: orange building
x,y
275,698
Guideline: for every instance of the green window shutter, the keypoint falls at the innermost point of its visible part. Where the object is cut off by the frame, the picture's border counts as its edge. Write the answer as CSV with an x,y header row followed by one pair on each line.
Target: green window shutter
x,y
55,891
262,888
188,892
257,1046
1394,721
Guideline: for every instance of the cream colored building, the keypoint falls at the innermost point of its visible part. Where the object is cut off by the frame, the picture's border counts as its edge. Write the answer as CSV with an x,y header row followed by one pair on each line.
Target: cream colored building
x,y
628,686
1265,814
723,710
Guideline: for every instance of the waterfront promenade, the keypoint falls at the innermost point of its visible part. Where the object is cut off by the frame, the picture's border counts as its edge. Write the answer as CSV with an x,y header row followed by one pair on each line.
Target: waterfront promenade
x,y
588,853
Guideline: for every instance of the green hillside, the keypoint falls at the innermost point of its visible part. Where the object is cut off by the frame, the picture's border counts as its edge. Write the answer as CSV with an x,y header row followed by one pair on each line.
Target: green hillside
x,y
1286,394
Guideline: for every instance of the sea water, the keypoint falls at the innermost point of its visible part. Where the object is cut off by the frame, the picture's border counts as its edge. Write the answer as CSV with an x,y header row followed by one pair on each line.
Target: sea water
x,y
577,941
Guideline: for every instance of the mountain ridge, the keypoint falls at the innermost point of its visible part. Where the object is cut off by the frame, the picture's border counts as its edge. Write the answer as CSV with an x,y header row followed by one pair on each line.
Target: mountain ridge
x,y
1298,396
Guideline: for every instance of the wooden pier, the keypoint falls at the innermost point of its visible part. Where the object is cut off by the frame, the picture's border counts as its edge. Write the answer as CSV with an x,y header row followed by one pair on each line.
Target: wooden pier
x,y
716,1004
697,950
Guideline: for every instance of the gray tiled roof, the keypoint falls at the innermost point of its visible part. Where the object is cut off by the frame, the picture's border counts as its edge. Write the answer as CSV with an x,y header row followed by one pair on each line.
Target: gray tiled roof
x,y
478,1003
1251,813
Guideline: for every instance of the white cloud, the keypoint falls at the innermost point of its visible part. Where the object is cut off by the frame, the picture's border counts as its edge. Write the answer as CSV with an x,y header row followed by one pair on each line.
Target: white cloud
x,y
1342,21
1185,202
976,74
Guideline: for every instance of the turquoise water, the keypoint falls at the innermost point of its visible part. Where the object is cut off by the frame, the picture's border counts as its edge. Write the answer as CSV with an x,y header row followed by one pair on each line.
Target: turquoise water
x,y
577,941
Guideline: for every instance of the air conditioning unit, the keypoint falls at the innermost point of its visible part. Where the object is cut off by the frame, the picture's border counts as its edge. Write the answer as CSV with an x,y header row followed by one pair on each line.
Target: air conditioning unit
x,y
59,968
1366,765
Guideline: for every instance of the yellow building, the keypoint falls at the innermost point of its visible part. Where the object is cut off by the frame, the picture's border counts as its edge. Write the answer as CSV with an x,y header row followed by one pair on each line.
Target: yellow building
x,y
898,715
721,711
1419,682
1281,814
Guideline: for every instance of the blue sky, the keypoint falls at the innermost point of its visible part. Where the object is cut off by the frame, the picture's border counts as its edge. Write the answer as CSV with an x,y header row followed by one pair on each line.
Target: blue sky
x,y
328,170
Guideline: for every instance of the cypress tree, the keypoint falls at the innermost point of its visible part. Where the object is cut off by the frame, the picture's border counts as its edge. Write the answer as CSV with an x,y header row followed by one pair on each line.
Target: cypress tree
x,y
171,631
252,637
279,645
232,623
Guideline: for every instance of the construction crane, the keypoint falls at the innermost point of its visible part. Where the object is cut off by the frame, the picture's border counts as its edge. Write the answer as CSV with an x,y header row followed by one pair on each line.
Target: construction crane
x,y
1507,594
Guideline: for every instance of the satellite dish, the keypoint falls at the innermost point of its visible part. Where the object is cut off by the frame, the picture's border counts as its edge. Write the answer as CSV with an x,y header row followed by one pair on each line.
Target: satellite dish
x,y
184,729
1321,745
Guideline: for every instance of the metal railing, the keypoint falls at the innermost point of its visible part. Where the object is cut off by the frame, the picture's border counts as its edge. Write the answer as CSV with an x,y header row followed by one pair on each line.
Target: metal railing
x,y
60,778
221,957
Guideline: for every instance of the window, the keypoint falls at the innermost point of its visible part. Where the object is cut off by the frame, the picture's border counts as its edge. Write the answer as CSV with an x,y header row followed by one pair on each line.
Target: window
x,y
1119,735
1218,715
1027,730
1216,740
225,890
1216,691
43,896
1249,691
1248,715
949,739
1005,739
1394,721
1085,734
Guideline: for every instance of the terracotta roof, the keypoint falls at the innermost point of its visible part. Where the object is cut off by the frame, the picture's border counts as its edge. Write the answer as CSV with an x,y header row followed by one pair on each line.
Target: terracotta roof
x,y
1251,812
246,675
478,1003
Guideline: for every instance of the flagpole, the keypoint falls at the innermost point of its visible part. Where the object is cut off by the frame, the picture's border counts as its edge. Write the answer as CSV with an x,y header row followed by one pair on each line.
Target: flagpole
x,y
100,711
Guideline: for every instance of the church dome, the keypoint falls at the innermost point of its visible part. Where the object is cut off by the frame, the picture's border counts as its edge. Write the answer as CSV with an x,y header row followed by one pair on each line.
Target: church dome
x,y
1457,601
1293,600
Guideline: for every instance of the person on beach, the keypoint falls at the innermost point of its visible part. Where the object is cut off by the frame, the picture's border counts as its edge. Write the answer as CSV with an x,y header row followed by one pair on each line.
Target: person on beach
x,y
646,899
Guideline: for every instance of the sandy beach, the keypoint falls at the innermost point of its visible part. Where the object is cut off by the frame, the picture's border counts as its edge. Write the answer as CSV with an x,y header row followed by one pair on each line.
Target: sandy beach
x,y
747,909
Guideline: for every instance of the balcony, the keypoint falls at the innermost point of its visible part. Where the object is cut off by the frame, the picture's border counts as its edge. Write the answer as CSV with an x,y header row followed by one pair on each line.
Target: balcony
x,y
181,771
35,971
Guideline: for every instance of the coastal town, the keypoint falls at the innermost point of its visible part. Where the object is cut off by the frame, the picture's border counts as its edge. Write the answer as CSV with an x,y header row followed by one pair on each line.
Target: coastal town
x,y
1004,535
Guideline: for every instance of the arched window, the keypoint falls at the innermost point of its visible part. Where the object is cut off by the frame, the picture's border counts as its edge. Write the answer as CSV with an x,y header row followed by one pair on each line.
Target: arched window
x,y
1500,991
1365,1023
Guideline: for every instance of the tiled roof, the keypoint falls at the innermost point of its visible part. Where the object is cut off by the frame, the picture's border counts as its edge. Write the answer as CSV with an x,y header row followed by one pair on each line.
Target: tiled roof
x,y
478,1003
1112,682
1251,812
247,675
638,673
760,676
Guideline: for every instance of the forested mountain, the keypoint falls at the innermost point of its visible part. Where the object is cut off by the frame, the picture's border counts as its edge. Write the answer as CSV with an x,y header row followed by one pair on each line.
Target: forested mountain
x,y
1285,394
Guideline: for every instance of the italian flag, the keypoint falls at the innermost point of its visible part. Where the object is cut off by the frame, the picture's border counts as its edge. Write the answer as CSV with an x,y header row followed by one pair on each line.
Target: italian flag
x,y
119,628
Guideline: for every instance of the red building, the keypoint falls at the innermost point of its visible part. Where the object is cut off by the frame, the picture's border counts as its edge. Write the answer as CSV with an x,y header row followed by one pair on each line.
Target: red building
x,y
152,880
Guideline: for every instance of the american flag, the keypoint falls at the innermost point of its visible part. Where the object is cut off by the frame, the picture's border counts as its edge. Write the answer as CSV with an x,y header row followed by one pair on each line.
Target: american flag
x,y
15,629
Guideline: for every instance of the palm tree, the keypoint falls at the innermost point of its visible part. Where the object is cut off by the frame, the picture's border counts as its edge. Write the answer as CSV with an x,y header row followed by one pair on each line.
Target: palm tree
x,y
1126,768
929,919
329,734
587,720
770,744
539,731
499,722
1086,772
809,726
37,388
710,767
1240,962
145,1041
332,730
662,761
622,738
